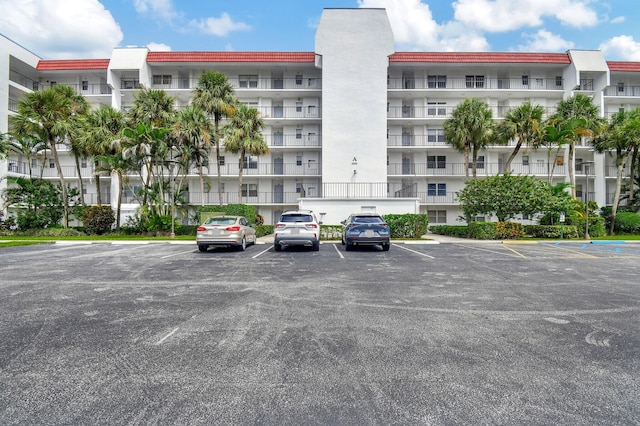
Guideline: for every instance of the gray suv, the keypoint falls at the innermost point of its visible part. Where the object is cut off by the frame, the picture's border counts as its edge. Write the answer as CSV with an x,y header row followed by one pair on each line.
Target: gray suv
x,y
297,228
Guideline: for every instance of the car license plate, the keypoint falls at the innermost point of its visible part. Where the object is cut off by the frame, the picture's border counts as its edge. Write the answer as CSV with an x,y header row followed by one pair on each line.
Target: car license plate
x,y
368,233
295,231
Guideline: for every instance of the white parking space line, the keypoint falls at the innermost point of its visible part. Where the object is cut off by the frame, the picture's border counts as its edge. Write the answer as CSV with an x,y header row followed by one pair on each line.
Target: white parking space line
x,y
159,342
413,251
262,252
335,246
177,254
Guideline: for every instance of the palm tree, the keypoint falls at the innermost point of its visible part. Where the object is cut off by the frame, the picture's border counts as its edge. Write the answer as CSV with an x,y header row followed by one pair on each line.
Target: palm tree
x,y
194,131
244,136
578,107
4,146
215,96
153,107
50,115
28,147
555,135
524,124
622,135
469,130
111,163
102,126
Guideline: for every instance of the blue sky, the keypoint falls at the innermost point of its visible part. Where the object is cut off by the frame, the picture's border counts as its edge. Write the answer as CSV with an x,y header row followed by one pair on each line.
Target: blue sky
x,y
61,29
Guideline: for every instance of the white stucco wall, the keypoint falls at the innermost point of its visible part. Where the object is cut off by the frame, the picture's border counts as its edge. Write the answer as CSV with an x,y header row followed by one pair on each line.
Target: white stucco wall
x,y
354,45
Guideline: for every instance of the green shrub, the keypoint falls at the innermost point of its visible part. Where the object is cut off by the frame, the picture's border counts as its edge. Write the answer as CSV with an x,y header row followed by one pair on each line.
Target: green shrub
x,y
98,219
509,230
245,210
460,231
262,230
483,230
331,232
551,231
627,223
407,225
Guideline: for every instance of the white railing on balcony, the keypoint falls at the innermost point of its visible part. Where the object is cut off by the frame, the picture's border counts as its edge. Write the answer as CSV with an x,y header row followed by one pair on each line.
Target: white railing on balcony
x,y
238,83
622,91
443,112
293,112
276,140
474,82
458,169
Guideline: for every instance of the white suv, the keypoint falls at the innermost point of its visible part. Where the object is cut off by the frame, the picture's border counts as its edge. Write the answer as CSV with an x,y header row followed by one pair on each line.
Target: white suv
x,y
297,228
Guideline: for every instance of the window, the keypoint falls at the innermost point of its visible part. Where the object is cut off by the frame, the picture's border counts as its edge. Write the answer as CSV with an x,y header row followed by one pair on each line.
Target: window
x,y
437,216
525,160
162,79
435,135
298,133
479,163
436,161
579,162
620,87
525,80
298,79
436,189
222,187
559,82
300,189
248,81
298,106
85,85
437,81
475,81
250,162
52,164
298,160
13,166
221,163
250,189
436,108
83,163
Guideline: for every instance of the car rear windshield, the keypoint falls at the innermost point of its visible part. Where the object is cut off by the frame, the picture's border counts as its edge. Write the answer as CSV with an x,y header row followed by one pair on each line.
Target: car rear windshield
x,y
296,218
220,221
368,219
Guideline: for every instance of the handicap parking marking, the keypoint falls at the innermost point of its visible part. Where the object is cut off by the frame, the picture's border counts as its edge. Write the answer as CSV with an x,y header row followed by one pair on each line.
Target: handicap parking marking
x,y
413,251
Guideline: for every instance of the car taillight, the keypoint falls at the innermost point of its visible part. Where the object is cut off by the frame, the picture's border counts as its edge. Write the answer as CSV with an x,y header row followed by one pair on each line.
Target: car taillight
x,y
280,225
311,225
232,228
201,228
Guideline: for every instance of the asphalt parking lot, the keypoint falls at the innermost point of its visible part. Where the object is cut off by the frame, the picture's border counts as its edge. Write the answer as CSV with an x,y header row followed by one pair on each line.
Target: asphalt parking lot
x,y
455,333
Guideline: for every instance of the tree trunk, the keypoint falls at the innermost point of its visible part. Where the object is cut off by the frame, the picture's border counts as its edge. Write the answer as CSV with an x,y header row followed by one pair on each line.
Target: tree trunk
x,y
201,183
97,175
80,184
65,194
466,161
240,177
616,196
507,165
571,166
120,192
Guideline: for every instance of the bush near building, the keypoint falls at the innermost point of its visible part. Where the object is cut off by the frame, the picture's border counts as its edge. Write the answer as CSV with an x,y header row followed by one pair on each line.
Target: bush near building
x,y
407,225
98,219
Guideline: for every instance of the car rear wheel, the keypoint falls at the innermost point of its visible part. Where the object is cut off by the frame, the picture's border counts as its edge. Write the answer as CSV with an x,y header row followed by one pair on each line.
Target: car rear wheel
x,y
385,247
243,244
316,246
277,247
348,247
203,248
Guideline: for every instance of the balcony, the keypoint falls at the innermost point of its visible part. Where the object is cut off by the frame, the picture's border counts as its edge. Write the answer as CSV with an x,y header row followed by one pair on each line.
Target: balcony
x,y
239,84
279,140
443,112
290,113
474,82
458,169
622,90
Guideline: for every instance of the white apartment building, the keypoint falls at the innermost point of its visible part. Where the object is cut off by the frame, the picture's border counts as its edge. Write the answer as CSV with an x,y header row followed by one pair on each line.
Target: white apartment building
x,y
351,126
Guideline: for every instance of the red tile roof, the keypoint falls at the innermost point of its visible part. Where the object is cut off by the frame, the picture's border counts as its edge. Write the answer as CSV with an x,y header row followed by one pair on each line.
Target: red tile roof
x,y
73,64
231,57
624,66
481,57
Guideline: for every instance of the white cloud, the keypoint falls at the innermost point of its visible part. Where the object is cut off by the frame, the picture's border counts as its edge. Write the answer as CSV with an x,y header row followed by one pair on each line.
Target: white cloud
x,y
65,29
159,47
414,28
162,9
622,47
219,26
618,20
509,15
545,41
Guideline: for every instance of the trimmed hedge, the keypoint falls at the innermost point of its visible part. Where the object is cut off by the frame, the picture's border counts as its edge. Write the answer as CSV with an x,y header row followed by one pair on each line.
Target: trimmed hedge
x,y
98,219
407,225
551,231
482,230
459,231
250,212
627,223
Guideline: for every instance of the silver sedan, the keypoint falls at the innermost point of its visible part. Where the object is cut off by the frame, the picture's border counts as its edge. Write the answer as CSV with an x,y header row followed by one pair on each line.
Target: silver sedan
x,y
225,231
